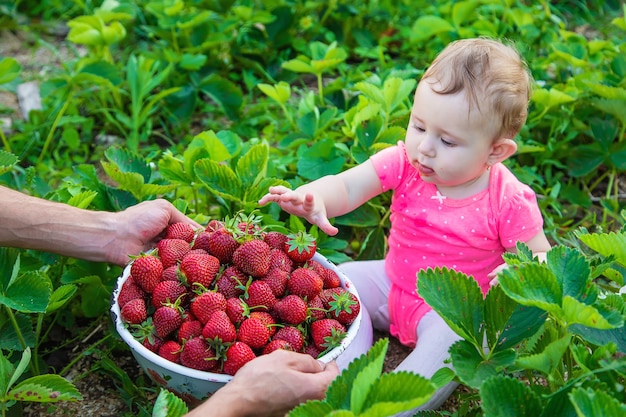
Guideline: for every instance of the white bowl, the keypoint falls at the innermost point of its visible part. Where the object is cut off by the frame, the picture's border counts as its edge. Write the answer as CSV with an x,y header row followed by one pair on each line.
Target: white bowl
x,y
190,384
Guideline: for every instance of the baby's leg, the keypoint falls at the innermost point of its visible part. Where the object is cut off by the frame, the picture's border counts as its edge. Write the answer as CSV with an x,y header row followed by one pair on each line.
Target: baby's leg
x,y
372,285
434,338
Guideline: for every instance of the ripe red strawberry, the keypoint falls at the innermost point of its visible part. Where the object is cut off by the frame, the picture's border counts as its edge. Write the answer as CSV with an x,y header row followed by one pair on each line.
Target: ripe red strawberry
x,y
254,333
316,266
330,278
199,269
279,259
275,240
291,309
252,258
146,270
172,251
327,333
219,328
188,330
312,350
134,311
168,292
275,345
237,310
260,295
300,246
180,230
305,282
170,273
343,306
202,240
237,355
205,304
198,355
277,279
222,245
152,343
166,320
170,350
317,309
129,291
231,282
267,319
292,335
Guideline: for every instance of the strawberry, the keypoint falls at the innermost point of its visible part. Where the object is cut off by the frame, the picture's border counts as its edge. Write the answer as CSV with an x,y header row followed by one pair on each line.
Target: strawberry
x,y
252,258
267,319
134,311
291,309
259,295
253,332
188,330
300,246
170,350
305,283
196,354
277,279
166,320
292,335
344,306
312,350
279,259
146,270
327,333
168,292
317,308
170,274
231,282
171,251
237,355
275,345
330,278
275,240
180,230
316,266
153,344
219,328
129,291
237,310
205,304
222,245
202,240
199,269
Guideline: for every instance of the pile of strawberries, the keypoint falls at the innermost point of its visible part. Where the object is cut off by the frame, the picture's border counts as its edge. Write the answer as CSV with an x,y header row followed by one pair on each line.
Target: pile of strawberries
x,y
216,298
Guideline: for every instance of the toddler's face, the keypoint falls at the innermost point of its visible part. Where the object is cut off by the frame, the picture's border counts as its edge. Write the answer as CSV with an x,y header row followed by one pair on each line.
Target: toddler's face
x,y
446,143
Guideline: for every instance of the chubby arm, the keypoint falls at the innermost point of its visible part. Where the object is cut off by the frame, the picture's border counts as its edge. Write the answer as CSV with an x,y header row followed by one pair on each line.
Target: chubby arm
x,y
33,223
539,246
269,386
329,196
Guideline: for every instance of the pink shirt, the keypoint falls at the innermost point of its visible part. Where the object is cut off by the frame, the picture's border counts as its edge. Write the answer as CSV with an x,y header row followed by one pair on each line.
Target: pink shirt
x,y
468,235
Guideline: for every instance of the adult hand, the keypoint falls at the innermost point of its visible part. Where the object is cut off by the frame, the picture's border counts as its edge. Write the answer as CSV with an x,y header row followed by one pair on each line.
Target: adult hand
x,y
140,227
270,385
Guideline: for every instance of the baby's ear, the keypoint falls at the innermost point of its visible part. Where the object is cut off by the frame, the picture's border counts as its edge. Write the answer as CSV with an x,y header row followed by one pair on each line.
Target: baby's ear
x,y
501,149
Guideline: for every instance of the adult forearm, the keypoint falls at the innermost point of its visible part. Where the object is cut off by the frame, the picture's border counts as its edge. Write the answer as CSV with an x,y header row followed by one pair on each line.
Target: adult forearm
x,y
34,223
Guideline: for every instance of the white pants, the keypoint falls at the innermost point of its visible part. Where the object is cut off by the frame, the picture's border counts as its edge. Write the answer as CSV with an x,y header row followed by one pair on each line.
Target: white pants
x,y
434,336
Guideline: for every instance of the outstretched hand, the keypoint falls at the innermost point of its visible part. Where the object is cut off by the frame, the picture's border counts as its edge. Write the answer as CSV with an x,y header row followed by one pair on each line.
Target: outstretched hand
x,y
300,204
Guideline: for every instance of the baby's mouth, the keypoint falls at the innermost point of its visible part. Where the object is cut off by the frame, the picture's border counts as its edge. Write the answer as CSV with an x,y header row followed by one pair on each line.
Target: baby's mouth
x,y
425,170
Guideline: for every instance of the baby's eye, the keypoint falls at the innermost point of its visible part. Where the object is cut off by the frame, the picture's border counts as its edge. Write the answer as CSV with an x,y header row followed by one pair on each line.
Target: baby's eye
x,y
448,143
419,128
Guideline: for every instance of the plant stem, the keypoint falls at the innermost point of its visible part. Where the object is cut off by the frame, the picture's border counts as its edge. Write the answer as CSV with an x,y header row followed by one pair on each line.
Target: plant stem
x,y
5,142
57,119
78,357
20,337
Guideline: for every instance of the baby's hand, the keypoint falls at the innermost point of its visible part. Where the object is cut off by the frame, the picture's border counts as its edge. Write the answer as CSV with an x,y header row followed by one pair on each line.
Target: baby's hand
x,y
493,275
300,204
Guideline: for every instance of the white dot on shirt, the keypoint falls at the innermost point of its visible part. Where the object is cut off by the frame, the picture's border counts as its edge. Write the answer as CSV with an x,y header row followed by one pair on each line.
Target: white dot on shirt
x,y
423,210
423,257
445,237
384,166
462,217
445,222
508,221
473,231
461,253
477,208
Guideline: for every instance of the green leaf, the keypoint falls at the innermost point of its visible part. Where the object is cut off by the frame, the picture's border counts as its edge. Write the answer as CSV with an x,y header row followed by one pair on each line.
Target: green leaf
x,y
219,179
575,312
252,166
169,405
127,161
315,409
470,366
9,338
396,392
548,360
29,293
462,10
60,297
573,271
457,298
280,92
550,98
7,161
10,69
225,93
7,371
21,367
428,26
607,244
83,199
589,402
45,389
300,64
533,285
601,337
192,62
503,396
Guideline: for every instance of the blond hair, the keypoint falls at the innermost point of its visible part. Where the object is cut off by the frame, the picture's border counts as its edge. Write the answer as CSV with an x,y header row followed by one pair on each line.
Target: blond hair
x,y
493,75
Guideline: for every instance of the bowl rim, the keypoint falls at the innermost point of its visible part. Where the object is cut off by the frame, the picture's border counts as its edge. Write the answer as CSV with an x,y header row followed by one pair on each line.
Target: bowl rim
x,y
146,353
